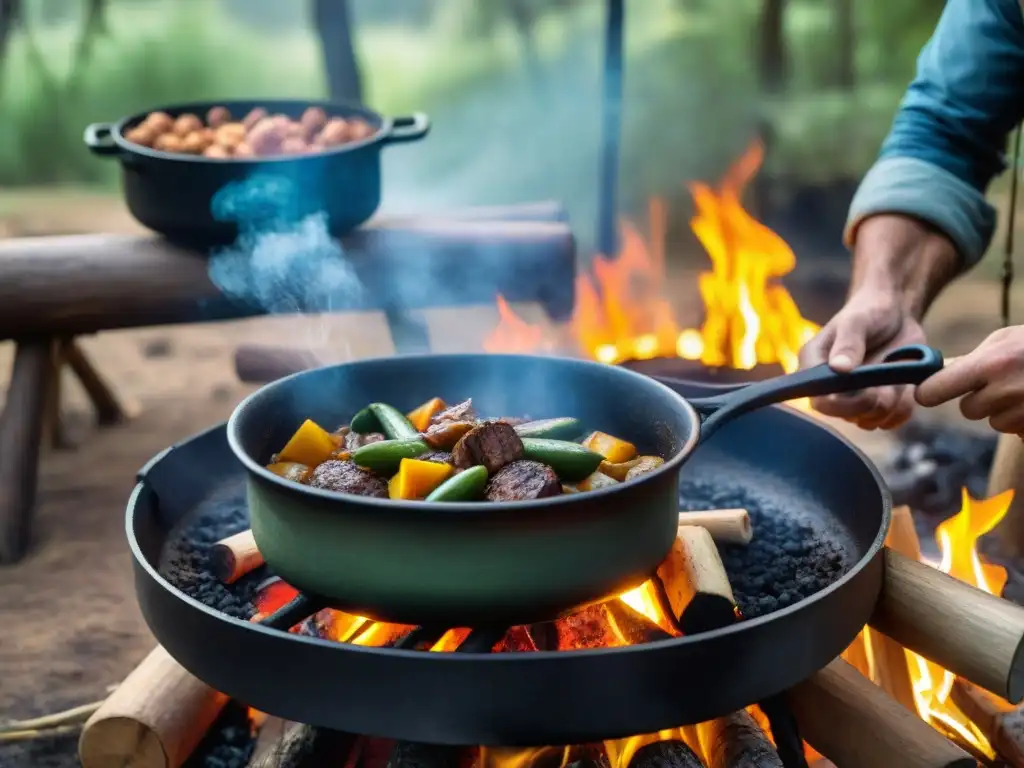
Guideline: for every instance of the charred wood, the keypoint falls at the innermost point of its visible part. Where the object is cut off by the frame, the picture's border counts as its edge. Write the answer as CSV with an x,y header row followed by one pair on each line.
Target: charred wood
x,y
665,754
410,754
305,746
736,741
634,627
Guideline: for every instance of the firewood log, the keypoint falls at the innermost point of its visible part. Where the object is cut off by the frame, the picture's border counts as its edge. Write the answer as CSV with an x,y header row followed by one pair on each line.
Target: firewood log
x,y
235,556
154,719
1001,722
726,526
736,741
695,582
305,746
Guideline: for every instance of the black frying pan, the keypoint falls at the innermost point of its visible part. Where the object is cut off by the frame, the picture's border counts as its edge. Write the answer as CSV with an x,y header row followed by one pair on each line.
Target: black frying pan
x,y
468,563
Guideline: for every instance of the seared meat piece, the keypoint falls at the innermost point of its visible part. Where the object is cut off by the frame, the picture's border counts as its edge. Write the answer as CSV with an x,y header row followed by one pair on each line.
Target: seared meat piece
x,y
446,434
522,480
493,444
515,421
459,412
440,457
346,477
355,440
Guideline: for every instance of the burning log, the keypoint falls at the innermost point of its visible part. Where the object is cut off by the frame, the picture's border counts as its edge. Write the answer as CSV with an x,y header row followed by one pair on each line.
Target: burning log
x,y
736,741
633,626
889,667
695,582
973,634
305,746
67,286
726,526
235,556
1008,472
1000,722
665,754
154,719
410,754
853,723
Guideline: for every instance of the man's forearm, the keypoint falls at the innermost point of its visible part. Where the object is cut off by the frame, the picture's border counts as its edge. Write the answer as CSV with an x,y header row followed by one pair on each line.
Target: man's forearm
x,y
906,258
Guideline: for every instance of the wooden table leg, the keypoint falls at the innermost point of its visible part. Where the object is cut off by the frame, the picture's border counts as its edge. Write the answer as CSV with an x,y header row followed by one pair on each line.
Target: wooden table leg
x,y
53,421
21,428
109,408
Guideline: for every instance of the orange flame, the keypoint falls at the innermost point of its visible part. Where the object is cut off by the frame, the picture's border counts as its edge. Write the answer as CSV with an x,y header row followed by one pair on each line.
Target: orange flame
x,y
622,311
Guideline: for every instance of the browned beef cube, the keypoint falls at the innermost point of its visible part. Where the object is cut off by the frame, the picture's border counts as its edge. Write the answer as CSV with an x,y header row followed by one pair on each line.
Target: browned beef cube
x,y
445,435
493,444
355,440
346,477
522,480
440,457
459,412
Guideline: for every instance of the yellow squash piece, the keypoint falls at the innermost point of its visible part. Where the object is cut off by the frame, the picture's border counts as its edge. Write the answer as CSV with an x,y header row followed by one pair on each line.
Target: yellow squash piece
x,y
620,471
310,445
612,448
290,470
416,479
595,481
644,464
420,417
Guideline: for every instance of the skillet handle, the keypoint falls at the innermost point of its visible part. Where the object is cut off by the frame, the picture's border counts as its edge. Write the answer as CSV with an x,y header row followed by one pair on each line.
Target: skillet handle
x,y
404,129
911,364
99,138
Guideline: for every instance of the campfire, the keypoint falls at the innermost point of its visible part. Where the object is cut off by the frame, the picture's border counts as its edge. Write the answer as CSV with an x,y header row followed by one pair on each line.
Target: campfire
x,y
622,312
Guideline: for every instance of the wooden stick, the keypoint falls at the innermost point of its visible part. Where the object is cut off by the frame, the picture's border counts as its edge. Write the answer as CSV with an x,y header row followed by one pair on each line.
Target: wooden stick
x,y
853,723
263,363
109,408
1008,472
21,430
34,734
695,582
154,719
1000,721
53,417
736,741
969,632
79,284
235,556
726,526
889,667
66,717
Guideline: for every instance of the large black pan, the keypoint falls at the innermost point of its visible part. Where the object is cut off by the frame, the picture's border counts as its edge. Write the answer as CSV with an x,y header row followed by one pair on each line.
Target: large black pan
x,y
463,564
173,193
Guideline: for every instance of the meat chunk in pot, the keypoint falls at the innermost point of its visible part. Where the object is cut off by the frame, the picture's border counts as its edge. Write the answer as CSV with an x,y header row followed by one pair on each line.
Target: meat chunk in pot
x,y
493,444
438,457
445,435
523,480
355,440
459,412
347,477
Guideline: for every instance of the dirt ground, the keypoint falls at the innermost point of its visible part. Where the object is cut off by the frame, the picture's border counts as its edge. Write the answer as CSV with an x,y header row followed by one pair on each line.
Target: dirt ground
x,y
71,624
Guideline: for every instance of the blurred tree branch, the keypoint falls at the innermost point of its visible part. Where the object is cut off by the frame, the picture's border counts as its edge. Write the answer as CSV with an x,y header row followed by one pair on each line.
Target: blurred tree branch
x,y
773,53
337,46
11,14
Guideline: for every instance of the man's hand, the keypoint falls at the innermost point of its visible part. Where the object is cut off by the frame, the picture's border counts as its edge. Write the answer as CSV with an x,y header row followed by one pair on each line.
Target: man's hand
x,y
990,380
871,324
900,265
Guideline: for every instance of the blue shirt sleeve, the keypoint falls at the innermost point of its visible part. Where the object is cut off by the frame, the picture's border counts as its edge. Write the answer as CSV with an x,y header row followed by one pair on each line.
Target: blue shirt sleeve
x,y
947,141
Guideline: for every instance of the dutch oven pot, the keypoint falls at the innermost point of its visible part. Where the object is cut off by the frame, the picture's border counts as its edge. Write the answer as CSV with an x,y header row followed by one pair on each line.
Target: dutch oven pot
x,y
173,193
473,563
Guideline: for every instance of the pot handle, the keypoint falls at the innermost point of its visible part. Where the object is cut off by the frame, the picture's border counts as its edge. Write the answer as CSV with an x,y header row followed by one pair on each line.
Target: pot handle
x,y
99,138
911,364
411,128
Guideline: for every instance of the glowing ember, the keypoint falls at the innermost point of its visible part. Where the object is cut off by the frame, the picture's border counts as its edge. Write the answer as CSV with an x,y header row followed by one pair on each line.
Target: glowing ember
x,y
957,538
622,311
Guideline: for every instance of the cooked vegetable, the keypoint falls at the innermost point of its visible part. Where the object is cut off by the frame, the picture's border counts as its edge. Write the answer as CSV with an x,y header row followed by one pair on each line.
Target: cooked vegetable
x,y
523,480
571,461
416,479
290,470
385,456
420,417
468,485
596,480
493,444
621,470
364,422
310,445
551,429
644,465
393,422
612,448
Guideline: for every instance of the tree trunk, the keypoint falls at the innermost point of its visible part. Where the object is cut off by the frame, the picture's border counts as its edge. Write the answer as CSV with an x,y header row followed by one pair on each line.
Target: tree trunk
x,y
337,46
846,45
523,20
93,26
10,17
773,63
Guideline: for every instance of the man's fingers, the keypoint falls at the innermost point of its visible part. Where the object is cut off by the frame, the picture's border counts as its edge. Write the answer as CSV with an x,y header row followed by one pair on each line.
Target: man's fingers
x,y
815,351
849,346
903,410
849,406
993,398
1010,420
886,401
955,380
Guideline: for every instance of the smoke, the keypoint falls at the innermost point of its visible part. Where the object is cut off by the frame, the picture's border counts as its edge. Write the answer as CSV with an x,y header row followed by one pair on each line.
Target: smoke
x,y
284,260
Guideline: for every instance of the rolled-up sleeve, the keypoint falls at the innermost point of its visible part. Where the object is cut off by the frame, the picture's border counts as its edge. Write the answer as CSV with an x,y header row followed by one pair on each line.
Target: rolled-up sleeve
x,y
948,139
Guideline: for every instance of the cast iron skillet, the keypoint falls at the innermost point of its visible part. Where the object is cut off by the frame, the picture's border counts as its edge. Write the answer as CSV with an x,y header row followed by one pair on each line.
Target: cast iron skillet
x,y
173,193
465,564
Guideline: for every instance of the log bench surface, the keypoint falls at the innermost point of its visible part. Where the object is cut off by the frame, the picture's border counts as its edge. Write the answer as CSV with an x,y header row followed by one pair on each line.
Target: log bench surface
x,y
82,284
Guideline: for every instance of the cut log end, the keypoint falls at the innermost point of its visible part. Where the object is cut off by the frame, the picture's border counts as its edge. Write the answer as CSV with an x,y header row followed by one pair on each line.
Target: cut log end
x,y
232,558
736,741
